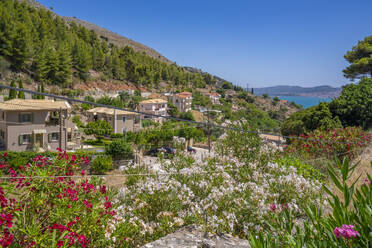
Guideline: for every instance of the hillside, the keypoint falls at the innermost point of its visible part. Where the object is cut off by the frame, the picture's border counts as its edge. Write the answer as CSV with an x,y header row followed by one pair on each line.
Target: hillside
x,y
106,34
286,90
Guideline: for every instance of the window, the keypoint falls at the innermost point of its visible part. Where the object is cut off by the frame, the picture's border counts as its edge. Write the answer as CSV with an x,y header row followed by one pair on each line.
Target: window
x,y
110,118
24,139
26,117
136,119
52,137
124,118
2,134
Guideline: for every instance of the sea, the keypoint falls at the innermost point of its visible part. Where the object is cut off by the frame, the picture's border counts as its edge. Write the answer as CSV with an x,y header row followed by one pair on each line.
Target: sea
x,y
305,101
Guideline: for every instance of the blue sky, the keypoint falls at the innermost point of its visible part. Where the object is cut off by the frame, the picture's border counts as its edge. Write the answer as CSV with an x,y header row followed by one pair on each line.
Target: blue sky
x,y
260,43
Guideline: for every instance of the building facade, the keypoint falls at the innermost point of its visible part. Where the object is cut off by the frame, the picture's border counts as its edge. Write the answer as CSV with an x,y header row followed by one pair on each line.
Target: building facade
x,y
154,107
30,124
120,120
182,101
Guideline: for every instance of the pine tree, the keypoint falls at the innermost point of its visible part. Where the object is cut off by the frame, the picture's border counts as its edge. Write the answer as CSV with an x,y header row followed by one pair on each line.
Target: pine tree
x,y
64,71
81,59
21,94
12,93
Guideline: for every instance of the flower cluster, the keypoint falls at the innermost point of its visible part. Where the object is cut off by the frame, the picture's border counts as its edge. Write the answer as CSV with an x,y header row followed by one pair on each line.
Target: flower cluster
x,y
346,231
74,208
340,142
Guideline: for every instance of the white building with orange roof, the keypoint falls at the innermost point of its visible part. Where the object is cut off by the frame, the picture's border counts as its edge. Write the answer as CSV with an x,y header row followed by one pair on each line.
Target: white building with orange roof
x,y
154,107
182,101
215,97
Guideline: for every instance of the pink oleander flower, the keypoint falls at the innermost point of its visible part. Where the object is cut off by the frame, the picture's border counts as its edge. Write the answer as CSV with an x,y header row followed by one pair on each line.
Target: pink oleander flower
x,y
346,231
366,181
5,154
273,207
82,172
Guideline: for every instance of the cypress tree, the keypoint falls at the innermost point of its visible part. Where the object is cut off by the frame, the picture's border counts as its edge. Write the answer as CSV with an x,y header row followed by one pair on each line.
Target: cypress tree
x,y
42,90
21,94
12,93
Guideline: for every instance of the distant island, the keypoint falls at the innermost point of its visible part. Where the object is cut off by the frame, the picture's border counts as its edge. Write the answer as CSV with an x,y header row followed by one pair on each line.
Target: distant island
x,y
323,91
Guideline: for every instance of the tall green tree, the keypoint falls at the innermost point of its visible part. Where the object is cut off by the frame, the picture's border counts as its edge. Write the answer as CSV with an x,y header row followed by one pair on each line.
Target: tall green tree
x,y
21,94
354,105
12,93
360,59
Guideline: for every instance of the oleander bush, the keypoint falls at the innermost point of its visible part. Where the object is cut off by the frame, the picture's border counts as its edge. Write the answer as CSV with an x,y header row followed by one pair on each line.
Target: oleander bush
x,y
349,223
340,143
42,204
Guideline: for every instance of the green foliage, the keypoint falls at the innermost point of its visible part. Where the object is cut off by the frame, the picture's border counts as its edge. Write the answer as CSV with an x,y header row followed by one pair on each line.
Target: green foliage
x,y
340,142
310,119
187,116
354,105
119,149
12,93
360,59
199,99
307,171
21,94
173,110
320,229
77,121
265,96
102,164
98,129
36,40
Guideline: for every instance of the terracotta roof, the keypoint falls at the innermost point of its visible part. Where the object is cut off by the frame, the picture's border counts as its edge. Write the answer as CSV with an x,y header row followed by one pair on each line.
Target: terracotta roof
x,y
110,111
185,93
158,100
213,94
33,104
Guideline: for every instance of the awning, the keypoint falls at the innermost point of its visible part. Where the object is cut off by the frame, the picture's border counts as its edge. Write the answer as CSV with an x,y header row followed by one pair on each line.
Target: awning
x,y
39,131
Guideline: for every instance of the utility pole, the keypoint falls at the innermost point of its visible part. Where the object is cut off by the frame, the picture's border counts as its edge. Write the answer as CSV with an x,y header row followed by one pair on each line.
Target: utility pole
x,y
60,128
209,133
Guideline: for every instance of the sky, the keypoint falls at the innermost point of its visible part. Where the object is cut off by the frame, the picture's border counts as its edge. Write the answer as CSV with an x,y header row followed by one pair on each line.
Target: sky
x,y
256,43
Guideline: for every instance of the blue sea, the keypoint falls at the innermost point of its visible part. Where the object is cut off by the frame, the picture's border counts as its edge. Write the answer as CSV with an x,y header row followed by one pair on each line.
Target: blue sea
x,y
305,101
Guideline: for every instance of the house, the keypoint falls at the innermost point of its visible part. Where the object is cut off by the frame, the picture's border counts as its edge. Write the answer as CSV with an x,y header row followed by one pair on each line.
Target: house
x,y
182,101
155,107
215,97
34,124
144,93
120,120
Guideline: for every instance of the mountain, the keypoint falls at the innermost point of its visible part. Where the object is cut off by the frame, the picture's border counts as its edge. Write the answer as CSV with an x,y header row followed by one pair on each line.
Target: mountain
x,y
106,34
286,90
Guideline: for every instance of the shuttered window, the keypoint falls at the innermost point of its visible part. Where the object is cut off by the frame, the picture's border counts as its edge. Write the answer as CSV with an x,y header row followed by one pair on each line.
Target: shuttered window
x,y
24,139
25,117
52,137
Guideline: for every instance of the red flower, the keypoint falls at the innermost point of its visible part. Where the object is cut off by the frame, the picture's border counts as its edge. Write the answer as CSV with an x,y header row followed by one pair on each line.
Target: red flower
x,y
5,154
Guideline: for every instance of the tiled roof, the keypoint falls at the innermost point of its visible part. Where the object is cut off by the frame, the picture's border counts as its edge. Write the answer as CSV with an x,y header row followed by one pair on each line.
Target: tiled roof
x,y
33,104
110,111
154,101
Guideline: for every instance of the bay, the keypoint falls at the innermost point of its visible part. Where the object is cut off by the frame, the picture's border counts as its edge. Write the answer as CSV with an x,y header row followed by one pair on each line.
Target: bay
x,y
305,101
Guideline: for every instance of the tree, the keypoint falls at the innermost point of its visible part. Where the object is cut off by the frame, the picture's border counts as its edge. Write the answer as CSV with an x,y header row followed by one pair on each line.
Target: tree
x,y
316,117
12,93
354,105
360,59
98,129
172,110
187,116
21,94
119,149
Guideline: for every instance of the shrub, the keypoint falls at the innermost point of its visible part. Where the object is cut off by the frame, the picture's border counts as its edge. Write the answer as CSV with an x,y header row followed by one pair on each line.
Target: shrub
x,y
338,142
345,226
54,211
119,149
116,135
102,164
77,121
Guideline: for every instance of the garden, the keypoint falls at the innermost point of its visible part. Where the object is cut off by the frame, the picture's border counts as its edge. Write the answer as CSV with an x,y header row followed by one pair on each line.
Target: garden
x,y
244,187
